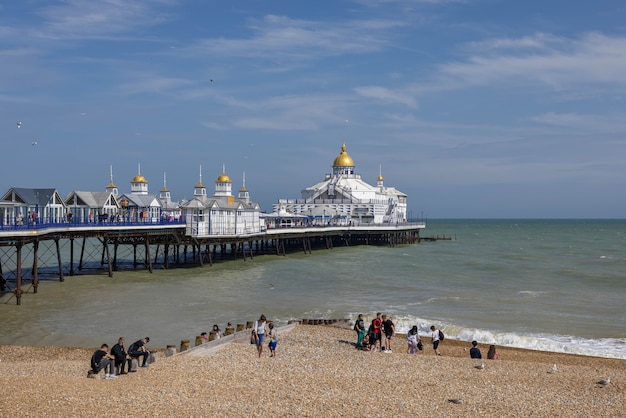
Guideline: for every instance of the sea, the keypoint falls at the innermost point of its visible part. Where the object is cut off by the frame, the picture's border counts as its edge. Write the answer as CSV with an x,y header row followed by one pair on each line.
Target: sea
x,y
552,285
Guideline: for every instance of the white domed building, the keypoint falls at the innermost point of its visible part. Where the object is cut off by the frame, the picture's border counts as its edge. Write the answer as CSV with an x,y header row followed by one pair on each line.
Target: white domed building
x,y
344,198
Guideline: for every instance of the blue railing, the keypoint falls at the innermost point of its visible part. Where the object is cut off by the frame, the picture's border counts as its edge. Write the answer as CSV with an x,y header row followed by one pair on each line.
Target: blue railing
x,y
40,224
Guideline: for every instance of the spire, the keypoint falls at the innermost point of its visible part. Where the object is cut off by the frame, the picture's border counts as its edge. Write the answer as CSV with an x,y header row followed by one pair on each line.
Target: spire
x,y
379,181
243,192
164,189
200,190
112,188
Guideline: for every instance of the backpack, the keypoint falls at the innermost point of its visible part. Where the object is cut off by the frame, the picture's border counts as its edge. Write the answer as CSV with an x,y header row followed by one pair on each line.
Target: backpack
x,y
441,336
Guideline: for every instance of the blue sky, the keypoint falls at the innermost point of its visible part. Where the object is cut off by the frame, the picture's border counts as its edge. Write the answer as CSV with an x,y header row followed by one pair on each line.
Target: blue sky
x,y
474,109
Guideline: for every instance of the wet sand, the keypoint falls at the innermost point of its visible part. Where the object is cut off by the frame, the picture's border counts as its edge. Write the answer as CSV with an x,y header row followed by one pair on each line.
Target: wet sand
x,y
317,372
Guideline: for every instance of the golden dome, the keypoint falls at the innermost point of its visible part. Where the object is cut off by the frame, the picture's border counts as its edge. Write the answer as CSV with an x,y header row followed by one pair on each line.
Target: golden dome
x,y
343,159
164,190
139,179
380,178
199,185
223,178
243,189
111,185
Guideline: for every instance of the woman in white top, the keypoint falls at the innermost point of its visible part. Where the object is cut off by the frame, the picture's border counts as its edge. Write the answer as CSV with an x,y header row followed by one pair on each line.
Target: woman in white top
x,y
259,333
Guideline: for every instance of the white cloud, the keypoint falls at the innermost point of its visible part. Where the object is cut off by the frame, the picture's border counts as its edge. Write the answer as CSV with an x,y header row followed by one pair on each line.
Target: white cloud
x,y
280,36
386,95
87,19
566,64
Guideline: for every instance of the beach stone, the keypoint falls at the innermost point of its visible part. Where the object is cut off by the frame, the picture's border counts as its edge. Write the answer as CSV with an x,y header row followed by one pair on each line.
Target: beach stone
x,y
134,364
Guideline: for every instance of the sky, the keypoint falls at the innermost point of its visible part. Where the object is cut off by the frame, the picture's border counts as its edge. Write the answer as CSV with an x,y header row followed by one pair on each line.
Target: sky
x,y
473,108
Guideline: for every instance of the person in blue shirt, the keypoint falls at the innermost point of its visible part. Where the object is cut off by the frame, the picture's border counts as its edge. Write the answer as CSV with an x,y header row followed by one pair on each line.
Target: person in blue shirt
x,y
475,351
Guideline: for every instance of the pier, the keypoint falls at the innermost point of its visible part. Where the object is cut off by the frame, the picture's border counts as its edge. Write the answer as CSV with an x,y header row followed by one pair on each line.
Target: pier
x,y
56,250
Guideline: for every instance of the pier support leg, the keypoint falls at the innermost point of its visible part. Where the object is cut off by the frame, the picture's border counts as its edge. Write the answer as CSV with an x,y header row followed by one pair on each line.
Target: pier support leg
x,y
56,243
35,267
71,256
82,254
148,258
18,280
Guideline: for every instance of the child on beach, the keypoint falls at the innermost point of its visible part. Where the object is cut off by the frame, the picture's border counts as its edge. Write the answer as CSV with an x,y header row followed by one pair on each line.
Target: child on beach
x,y
273,340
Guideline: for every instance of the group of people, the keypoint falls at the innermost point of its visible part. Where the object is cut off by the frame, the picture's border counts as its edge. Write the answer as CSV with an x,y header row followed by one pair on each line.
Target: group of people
x,y
261,330
113,361
371,338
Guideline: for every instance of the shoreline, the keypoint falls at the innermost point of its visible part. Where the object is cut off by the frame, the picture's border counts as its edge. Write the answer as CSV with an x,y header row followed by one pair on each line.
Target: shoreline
x,y
317,371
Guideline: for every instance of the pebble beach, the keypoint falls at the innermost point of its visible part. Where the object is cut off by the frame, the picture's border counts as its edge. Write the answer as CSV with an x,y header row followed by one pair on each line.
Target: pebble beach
x,y
317,372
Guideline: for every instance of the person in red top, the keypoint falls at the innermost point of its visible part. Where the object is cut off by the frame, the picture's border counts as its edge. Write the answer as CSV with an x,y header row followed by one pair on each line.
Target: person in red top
x,y
376,328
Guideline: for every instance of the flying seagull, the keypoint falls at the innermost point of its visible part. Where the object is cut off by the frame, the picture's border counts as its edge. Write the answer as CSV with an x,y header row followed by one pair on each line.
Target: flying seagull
x,y
33,143
19,124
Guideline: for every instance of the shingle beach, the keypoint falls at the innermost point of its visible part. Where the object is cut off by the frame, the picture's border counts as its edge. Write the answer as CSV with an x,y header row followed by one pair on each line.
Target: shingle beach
x,y
317,372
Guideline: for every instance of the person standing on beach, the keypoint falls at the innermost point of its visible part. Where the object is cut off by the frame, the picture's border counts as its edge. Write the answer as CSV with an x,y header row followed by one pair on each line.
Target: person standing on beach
x,y
259,333
359,327
475,351
390,330
376,332
435,336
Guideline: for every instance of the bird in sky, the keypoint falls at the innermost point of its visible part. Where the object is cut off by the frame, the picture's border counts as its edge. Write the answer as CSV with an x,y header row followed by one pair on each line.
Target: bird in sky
x,y
33,143
19,124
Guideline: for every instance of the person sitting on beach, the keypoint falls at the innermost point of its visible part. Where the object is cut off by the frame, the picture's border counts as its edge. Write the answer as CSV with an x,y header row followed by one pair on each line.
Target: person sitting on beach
x,y
259,333
359,328
121,356
475,351
204,336
273,336
390,329
413,339
138,349
217,332
492,354
101,359
229,329
435,337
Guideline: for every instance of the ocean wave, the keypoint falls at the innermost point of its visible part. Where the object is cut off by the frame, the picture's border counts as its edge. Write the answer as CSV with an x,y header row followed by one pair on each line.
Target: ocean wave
x,y
599,347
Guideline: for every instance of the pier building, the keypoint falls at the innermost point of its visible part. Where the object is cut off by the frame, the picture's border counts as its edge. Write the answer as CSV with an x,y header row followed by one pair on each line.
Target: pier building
x,y
344,198
222,213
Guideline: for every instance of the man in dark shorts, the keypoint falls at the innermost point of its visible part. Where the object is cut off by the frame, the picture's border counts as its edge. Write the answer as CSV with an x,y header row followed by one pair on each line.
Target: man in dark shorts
x,y
435,336
390,329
